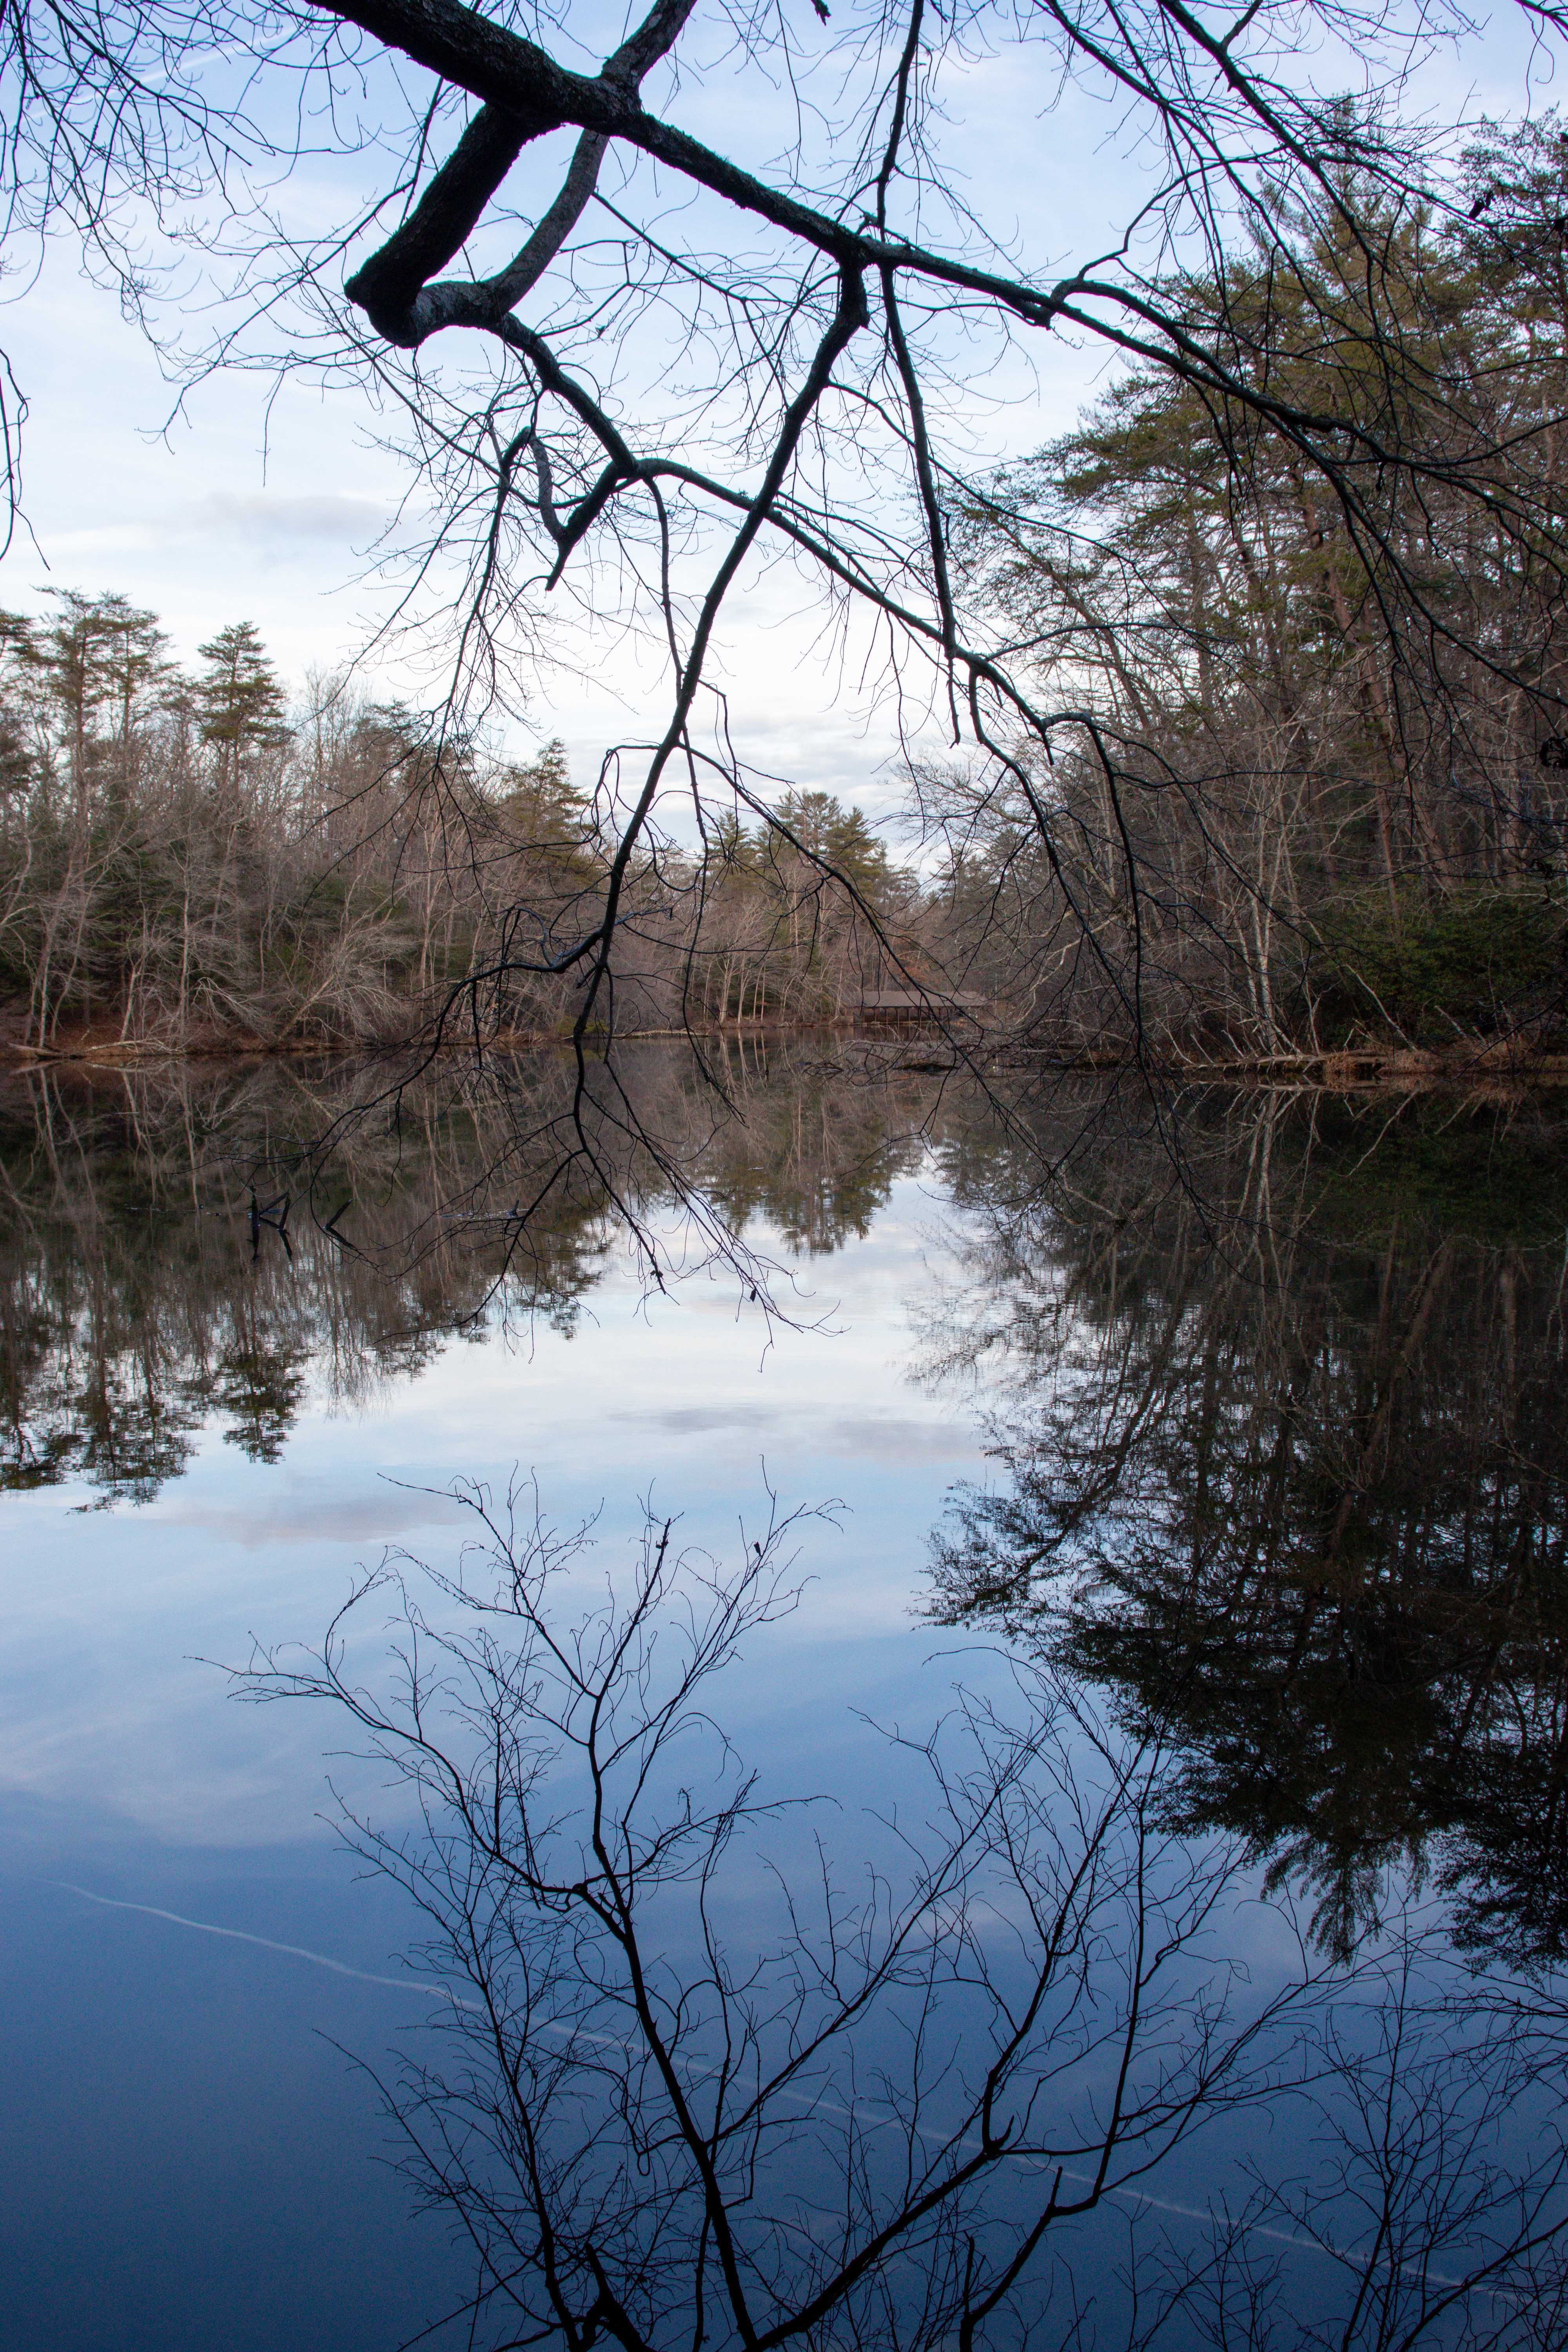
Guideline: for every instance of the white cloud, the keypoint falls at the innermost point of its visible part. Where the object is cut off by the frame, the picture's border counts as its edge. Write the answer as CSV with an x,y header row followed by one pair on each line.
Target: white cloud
x,y
267,516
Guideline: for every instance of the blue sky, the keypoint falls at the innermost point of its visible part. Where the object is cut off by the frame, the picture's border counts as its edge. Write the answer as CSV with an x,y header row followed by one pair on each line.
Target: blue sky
x,y
264,501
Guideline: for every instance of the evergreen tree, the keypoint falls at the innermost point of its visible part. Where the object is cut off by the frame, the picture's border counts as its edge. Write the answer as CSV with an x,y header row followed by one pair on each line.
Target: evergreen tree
x,y
840,837
543,809
87,674
131,659
239,699
16,764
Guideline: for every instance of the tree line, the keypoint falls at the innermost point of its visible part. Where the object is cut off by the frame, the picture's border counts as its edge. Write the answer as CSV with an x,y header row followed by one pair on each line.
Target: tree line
x,y
188,860
1311,798
1317,793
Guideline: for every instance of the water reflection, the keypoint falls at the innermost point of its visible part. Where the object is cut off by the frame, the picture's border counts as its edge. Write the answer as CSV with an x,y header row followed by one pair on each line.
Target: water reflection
x,y
716,2073
1283,1464
1004,2044
175,1247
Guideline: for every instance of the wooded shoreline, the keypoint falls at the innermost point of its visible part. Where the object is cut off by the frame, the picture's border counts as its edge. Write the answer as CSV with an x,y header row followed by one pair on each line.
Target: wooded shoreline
x,y
1469,1068
189,866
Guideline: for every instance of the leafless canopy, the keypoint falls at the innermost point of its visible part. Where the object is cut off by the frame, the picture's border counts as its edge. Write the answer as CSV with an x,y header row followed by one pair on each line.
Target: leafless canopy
x,y
698,358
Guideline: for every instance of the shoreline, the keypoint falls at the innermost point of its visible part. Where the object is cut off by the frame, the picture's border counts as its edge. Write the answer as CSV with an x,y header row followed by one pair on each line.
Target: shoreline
x,y
1340,1071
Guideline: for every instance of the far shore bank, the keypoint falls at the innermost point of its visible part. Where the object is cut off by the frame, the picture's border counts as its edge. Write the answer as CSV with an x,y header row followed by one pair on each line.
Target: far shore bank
x,y
1466,1066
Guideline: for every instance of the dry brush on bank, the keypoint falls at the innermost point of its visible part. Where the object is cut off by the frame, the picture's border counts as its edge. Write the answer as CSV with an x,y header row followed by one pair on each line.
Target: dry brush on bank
x,y
184,862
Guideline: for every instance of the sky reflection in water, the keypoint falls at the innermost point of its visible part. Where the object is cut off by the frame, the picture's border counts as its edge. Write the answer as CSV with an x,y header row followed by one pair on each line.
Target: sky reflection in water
x,y
1190,1432
688,1397
186,2163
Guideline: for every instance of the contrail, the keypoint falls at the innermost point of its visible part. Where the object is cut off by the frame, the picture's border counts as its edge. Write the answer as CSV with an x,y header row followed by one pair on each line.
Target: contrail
x,y
242,1936
321,1959
433,1984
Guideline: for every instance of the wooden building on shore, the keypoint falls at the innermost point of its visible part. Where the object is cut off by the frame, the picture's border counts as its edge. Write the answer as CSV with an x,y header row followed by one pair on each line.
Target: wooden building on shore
x,y
917,1012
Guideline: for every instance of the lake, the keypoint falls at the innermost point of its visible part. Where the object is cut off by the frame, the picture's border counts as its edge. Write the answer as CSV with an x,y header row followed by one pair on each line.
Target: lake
x,y
1171,1648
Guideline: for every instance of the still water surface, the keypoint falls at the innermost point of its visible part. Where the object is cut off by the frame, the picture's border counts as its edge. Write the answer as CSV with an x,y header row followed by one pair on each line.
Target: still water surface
x,y
1263,1443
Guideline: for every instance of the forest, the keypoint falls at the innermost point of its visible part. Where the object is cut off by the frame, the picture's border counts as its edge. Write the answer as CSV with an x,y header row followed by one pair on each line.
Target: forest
x,y
1318,794
191,861
1312,810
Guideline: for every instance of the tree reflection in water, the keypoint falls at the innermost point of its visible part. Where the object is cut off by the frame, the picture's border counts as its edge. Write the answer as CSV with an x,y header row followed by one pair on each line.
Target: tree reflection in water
x,y
139,1297
688,2103
1276,1552
1283,1468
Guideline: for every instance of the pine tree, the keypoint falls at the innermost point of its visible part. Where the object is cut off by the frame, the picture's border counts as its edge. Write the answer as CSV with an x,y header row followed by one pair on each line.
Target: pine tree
x,y
130,669
545,811
840,837
92,669
239,699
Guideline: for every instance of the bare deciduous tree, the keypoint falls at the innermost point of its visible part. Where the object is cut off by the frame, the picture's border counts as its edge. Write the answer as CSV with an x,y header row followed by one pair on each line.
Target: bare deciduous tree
x,y
690,363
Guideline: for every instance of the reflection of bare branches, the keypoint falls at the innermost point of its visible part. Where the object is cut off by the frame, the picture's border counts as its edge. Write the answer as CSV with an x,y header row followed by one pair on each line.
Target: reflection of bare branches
x,y
1431,2224
145,1284
805,2124
696,2085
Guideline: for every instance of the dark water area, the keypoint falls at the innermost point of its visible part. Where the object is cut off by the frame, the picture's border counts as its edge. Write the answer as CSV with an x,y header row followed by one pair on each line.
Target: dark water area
x,y
1172,1650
